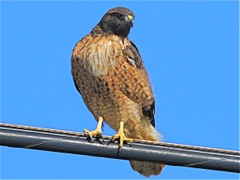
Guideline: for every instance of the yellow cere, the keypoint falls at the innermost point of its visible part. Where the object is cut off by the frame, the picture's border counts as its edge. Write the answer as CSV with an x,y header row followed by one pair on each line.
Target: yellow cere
x,y
130,17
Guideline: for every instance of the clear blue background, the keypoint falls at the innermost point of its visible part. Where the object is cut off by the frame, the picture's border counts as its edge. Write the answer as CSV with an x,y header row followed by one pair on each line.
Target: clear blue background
x,y
190,50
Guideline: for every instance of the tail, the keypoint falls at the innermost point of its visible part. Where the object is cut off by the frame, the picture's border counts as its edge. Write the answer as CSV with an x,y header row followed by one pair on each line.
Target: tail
x,y
147,168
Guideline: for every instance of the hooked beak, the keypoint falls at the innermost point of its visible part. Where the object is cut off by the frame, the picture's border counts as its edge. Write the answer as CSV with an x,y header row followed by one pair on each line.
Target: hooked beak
x,y
129,19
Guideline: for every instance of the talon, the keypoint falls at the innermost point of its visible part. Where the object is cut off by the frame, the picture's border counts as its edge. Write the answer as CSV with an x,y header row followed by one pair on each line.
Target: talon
x,y
97,132
99,137
121,136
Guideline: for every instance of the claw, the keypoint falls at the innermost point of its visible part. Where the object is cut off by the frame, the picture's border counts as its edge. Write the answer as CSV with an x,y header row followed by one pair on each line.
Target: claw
x,y
100,137
121,136
96,133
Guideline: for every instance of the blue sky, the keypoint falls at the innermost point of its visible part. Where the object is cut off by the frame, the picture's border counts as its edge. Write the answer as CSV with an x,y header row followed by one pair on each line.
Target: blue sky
x,y
190,50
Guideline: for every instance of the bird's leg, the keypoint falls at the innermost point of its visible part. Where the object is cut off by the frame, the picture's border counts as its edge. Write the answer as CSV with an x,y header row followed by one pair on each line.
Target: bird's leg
x,y
97,132
121,136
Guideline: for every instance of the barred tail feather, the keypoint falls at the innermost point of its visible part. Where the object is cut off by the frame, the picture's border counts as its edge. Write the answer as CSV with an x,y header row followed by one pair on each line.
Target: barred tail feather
x,y
147,168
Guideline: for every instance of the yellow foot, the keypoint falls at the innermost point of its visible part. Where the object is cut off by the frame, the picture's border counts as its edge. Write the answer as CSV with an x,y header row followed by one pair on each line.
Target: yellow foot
x,y
121,136
97,132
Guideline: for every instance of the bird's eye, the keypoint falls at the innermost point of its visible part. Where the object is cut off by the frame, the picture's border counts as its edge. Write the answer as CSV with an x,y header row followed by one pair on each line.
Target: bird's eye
x,y
118,15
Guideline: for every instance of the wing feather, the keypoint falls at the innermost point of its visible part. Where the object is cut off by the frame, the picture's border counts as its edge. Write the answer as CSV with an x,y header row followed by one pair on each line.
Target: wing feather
x,y
142,91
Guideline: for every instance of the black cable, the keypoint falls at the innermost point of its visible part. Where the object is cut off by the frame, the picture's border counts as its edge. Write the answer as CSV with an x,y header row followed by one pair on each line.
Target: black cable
x,y
76,143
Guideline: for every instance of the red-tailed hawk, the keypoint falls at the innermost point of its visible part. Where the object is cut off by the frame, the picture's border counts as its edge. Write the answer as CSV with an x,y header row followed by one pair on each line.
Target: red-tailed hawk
x,y
109,74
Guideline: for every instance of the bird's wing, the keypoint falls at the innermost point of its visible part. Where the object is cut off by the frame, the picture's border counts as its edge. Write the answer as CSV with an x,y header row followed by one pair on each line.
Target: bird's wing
x,y
137,87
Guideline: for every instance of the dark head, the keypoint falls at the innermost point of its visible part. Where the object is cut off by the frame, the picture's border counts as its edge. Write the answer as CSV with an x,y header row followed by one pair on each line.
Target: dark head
x,y
117,21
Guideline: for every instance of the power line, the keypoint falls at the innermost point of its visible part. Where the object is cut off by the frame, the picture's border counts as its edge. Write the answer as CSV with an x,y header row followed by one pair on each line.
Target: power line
x,y
76,143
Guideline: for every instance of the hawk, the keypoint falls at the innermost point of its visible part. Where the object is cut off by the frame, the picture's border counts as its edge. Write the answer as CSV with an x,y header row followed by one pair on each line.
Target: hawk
x,y
109,73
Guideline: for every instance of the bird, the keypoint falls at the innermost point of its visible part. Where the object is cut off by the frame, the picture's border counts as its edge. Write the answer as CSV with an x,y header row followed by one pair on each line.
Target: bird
x,y
109,74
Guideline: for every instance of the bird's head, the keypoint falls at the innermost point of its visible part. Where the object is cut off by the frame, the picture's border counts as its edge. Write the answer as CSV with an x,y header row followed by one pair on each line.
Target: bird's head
x,y
117,21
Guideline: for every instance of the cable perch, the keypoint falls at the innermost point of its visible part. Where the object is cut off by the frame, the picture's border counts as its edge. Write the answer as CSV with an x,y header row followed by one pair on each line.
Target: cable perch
x,y
19,136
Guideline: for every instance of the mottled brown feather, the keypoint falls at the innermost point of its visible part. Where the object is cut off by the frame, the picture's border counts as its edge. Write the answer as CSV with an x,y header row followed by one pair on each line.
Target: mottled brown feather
x,y
109,73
